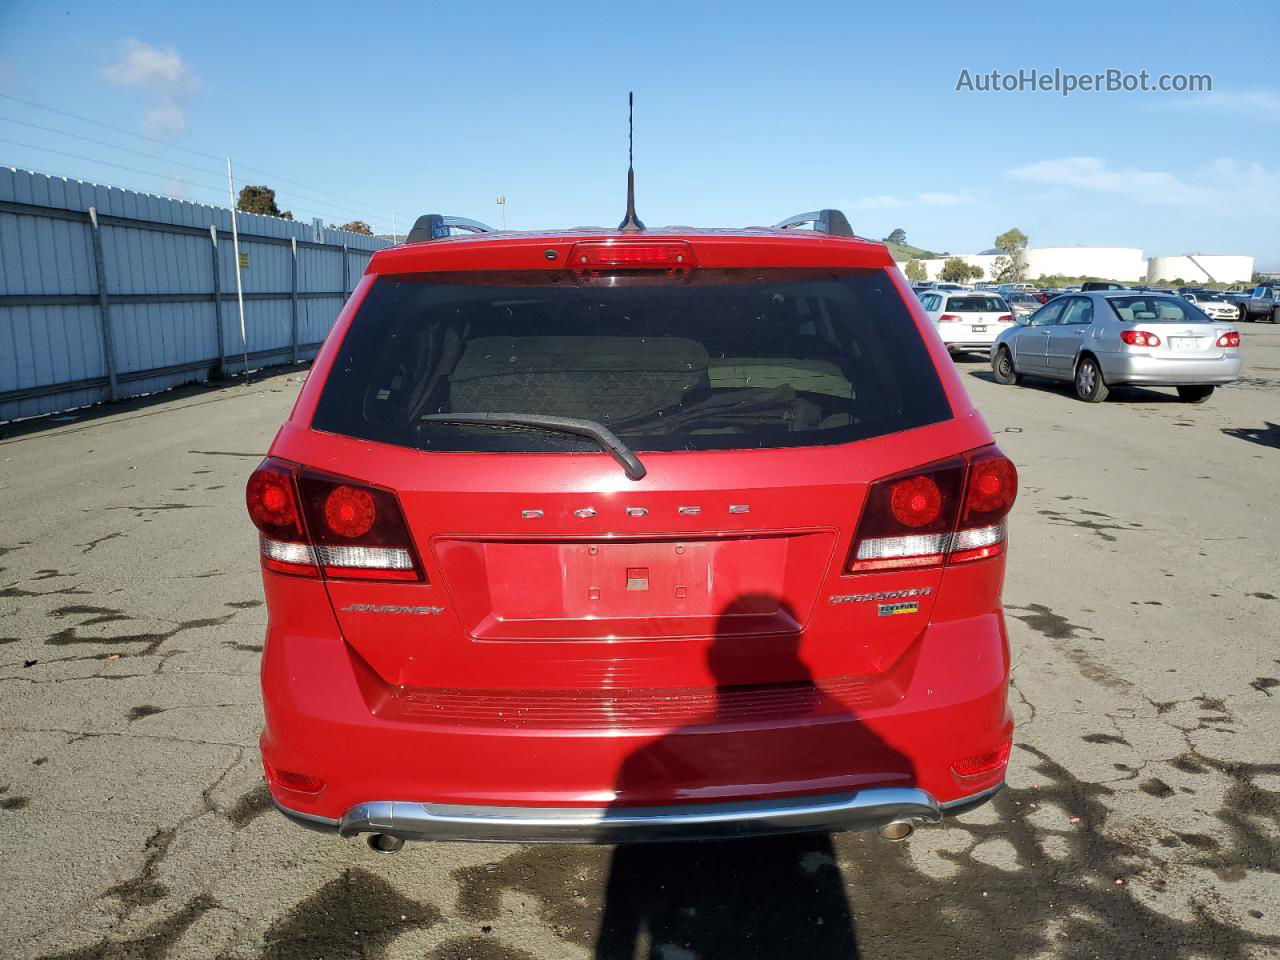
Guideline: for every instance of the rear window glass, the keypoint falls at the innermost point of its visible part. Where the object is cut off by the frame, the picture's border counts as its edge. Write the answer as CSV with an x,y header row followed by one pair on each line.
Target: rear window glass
x,y
1158,309
727,360
975,305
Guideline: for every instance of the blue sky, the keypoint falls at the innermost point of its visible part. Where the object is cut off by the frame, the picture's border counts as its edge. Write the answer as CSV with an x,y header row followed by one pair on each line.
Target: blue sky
x,y
746,112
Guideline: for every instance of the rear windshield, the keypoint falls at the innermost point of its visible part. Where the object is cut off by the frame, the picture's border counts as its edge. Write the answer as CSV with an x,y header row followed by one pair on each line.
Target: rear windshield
x,y
730,359
976,305
1155,309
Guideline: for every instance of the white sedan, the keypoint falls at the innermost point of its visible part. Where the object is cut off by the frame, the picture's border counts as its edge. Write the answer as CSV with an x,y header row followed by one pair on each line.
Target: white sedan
x,y
1214,307
968,322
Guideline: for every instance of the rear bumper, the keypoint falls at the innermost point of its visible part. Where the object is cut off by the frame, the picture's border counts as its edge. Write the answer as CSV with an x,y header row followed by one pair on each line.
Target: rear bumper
x,y
1166,372
863,810
499,777
971,346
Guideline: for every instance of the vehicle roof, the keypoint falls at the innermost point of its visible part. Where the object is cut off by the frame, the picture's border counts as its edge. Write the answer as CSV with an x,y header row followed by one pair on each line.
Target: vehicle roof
x,y
713,248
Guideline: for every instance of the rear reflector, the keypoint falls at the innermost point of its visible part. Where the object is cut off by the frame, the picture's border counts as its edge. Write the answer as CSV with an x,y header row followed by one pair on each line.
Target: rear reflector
x,y
952,511
299,782
983,762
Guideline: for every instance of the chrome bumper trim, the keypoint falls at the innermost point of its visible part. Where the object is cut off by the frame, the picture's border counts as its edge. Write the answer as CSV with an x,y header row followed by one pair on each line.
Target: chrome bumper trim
x,y
955,807
865,810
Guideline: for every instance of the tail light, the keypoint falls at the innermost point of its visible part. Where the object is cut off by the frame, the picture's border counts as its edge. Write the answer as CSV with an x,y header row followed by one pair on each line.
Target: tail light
x,y
952,511
1005,318
1229,339
314,523
1139,338
949,318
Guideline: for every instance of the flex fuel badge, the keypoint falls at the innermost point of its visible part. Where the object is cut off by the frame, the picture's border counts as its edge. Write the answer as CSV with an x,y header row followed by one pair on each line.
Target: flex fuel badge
x,y
898,609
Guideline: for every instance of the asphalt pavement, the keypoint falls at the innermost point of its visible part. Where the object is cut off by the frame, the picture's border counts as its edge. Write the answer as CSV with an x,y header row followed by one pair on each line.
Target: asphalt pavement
x,y
1142,817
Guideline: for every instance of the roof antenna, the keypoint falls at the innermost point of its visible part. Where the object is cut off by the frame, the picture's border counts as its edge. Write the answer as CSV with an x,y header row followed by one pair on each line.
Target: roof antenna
x,y
632,222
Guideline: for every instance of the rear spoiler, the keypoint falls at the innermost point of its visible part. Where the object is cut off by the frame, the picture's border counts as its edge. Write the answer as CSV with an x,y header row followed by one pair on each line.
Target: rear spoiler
x,y
831,222
436,226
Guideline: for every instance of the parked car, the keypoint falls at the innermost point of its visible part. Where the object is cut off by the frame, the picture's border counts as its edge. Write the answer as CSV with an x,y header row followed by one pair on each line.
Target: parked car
x,y
1261,304
1090,285
968,322
621,535
1022,304
1006,289
1213,306
1105,339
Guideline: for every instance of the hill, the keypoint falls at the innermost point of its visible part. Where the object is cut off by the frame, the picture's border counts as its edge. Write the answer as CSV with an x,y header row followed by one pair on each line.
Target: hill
x,y
905,251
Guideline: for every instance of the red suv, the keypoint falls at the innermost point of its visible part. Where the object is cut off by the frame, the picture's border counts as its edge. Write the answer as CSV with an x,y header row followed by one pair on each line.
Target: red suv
x,y
627,535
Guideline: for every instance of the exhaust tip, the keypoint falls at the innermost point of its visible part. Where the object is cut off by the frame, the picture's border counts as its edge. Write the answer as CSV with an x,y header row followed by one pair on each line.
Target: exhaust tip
x,y
898,830
384,843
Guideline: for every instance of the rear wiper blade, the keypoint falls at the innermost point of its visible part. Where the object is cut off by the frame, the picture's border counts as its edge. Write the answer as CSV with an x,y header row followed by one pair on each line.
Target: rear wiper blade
x,y
598,432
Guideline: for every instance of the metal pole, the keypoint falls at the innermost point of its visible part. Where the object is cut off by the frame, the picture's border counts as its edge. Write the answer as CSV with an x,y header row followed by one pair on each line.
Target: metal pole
x,y
235,243
217,298
393,226
346,283
293,246
104,305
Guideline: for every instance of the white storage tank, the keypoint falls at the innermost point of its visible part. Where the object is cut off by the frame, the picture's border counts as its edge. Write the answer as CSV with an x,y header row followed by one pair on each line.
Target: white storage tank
x,y
1200,268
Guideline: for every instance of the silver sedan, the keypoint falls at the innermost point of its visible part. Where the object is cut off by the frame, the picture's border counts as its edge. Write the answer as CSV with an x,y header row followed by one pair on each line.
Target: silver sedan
x,y
1104,339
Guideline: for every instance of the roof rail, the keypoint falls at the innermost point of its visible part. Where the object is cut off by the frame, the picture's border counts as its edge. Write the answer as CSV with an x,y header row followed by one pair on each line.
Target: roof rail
x,y
436,226
831,222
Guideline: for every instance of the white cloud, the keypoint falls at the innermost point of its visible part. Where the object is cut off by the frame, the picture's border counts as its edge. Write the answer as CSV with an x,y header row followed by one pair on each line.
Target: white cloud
x,y
881,202
1223,186
945,199
1253,104
163,76
887,202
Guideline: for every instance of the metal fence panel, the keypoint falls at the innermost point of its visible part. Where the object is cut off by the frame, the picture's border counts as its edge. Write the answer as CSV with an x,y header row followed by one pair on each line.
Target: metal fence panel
x,y
164,312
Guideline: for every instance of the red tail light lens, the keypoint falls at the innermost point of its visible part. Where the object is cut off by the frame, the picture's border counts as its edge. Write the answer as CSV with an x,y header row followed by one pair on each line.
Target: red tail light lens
x,y
1005,318
908,519
272,498
948,318
1229,339
625,254
915,501
952,511
349,511
989,494
314,523
1139,338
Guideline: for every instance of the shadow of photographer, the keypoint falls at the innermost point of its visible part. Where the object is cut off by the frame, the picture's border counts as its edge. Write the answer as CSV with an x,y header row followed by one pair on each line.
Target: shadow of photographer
x,y
751,897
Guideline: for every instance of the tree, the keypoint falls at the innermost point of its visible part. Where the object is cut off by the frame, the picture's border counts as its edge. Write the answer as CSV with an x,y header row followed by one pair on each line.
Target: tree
x,y
897,236
355,226
916,272
1011,265
956,270
260,199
